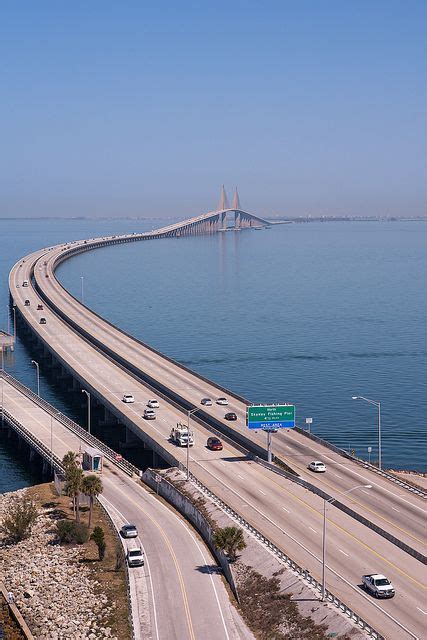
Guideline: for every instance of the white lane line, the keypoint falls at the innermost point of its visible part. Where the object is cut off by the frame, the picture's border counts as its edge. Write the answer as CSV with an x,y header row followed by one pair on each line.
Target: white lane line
x,y
239,476
394,509
313,529
341,551
423,612
336,474
284,509
261,491
364,491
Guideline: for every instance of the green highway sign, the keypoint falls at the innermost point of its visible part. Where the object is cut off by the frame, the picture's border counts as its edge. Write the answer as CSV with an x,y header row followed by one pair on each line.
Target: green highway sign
x,y
270,416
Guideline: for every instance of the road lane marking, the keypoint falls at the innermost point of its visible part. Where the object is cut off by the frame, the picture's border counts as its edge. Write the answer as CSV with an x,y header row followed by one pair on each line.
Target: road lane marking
x,y
239,476
261,491
394,509
341,551
313,555
319,514
284,509
313,529
424,612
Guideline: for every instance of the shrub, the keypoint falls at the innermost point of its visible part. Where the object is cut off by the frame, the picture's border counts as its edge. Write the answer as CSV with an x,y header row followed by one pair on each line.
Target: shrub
x,y
19,519
70,531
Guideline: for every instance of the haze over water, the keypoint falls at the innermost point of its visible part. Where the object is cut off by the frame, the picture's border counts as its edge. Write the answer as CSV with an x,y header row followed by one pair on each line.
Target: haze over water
x,y
305,313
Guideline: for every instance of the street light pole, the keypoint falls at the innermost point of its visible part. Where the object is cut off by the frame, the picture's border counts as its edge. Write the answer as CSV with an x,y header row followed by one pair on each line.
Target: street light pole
x,y
378,405
36,364
81,289
2,386
14,323
189,413
88,408
331,501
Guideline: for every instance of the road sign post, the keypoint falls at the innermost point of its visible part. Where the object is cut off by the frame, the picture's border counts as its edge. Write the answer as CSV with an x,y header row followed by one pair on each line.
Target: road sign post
x,y
270,417
309,422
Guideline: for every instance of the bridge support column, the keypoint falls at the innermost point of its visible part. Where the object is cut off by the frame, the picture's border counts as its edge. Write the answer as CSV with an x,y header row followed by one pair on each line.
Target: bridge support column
x,y
237,220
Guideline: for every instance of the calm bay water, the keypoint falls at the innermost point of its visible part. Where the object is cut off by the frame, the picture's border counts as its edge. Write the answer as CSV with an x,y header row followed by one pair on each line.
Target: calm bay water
x,y
310,314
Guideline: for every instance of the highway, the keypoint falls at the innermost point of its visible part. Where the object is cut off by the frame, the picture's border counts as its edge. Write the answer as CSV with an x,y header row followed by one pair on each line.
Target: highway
x,y
288,514
178,563
402,515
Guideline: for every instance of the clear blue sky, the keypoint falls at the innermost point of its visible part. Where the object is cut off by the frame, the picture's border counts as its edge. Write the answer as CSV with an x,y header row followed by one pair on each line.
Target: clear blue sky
x,y
146,108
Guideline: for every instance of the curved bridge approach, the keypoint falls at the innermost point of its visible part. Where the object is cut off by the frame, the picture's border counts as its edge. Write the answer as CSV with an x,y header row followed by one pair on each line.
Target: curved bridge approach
x,y
108,363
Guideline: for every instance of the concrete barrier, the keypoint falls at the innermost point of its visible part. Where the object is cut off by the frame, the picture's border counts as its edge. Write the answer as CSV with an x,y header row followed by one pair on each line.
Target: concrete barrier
x,y
184,505
16,614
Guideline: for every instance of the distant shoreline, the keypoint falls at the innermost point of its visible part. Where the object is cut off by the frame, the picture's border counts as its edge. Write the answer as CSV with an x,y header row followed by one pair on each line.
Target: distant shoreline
x,y
298,219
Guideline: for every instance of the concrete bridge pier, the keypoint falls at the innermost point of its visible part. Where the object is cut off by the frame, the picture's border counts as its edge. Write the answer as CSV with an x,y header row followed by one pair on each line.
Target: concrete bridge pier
x,y
237,220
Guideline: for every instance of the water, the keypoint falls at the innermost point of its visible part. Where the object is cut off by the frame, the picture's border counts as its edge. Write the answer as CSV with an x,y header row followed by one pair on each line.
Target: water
x,y
311,314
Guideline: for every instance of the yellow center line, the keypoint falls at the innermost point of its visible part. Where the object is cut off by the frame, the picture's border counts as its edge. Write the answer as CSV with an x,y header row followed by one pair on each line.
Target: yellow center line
x,y
156,524
351,535
297,466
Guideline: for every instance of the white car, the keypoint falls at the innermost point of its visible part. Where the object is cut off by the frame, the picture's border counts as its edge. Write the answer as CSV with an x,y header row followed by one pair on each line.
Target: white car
x,y
149,414
128,397
153,404
135,557
129,531
317,466
222,401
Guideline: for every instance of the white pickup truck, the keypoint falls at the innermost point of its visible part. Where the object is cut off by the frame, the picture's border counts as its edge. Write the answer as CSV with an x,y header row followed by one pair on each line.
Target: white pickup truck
x,y
378,585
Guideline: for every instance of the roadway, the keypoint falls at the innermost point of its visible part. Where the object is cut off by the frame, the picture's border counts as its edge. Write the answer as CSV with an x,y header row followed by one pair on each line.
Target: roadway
x,y
288,514
387,505
178,565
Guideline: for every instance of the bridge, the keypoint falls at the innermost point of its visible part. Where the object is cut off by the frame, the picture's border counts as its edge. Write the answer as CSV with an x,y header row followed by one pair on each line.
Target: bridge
x,y
381,528
216,221
161,608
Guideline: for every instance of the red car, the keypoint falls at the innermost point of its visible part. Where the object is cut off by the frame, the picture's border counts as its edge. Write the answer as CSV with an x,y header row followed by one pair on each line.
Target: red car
x,y
214,444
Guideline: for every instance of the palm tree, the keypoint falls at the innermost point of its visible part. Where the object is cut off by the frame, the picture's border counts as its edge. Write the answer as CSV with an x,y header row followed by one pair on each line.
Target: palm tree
x,y
92,487
69,460
73,485
230,540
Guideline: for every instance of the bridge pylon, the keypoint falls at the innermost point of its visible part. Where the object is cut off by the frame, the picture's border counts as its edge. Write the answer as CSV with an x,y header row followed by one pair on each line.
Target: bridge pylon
x,y
223,201
236,201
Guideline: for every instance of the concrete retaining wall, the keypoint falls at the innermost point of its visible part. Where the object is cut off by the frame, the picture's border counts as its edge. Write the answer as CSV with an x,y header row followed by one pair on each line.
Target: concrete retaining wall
x,y
184,505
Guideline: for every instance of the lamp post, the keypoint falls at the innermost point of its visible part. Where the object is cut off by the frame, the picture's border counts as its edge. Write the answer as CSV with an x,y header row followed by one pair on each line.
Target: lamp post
x,y
378,405
14,323
88,408
2,385
81,289
331,501
36,364
51,438
8,319
189,413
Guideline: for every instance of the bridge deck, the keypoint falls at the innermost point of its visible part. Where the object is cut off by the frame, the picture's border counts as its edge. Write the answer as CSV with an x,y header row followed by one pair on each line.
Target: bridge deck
x,y
171,548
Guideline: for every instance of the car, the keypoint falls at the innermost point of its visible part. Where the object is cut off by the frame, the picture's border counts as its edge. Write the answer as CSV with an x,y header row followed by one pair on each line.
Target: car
x,y
42,321
214,444
153,404
27,303
378,585
135,557
129,531
222,401
317,466
271,430
149,414
128,397
18,285
207,402
230,416
25,283
39,307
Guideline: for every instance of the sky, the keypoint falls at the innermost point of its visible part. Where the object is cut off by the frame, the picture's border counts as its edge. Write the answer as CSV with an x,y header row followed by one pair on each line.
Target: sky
x,y
140,108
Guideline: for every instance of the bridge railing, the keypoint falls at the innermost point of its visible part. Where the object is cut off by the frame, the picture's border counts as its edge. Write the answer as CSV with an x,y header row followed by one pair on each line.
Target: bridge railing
x,y
90,439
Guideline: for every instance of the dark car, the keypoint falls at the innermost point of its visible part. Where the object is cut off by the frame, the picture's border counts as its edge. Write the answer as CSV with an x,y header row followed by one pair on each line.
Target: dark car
x,y
42,320
206,401
39,307
214,444
27,303
129,531
230,416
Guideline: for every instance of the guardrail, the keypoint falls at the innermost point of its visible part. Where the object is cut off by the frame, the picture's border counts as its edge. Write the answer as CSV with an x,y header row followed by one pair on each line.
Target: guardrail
x,y
285,559
90,439
348,510
363,463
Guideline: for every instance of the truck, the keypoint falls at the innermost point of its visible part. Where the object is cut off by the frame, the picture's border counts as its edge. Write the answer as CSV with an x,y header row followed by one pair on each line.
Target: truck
x,y
181,436
378,585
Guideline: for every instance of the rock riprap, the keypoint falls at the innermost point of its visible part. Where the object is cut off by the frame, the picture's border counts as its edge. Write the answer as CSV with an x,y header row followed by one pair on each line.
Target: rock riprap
x,y
54,590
